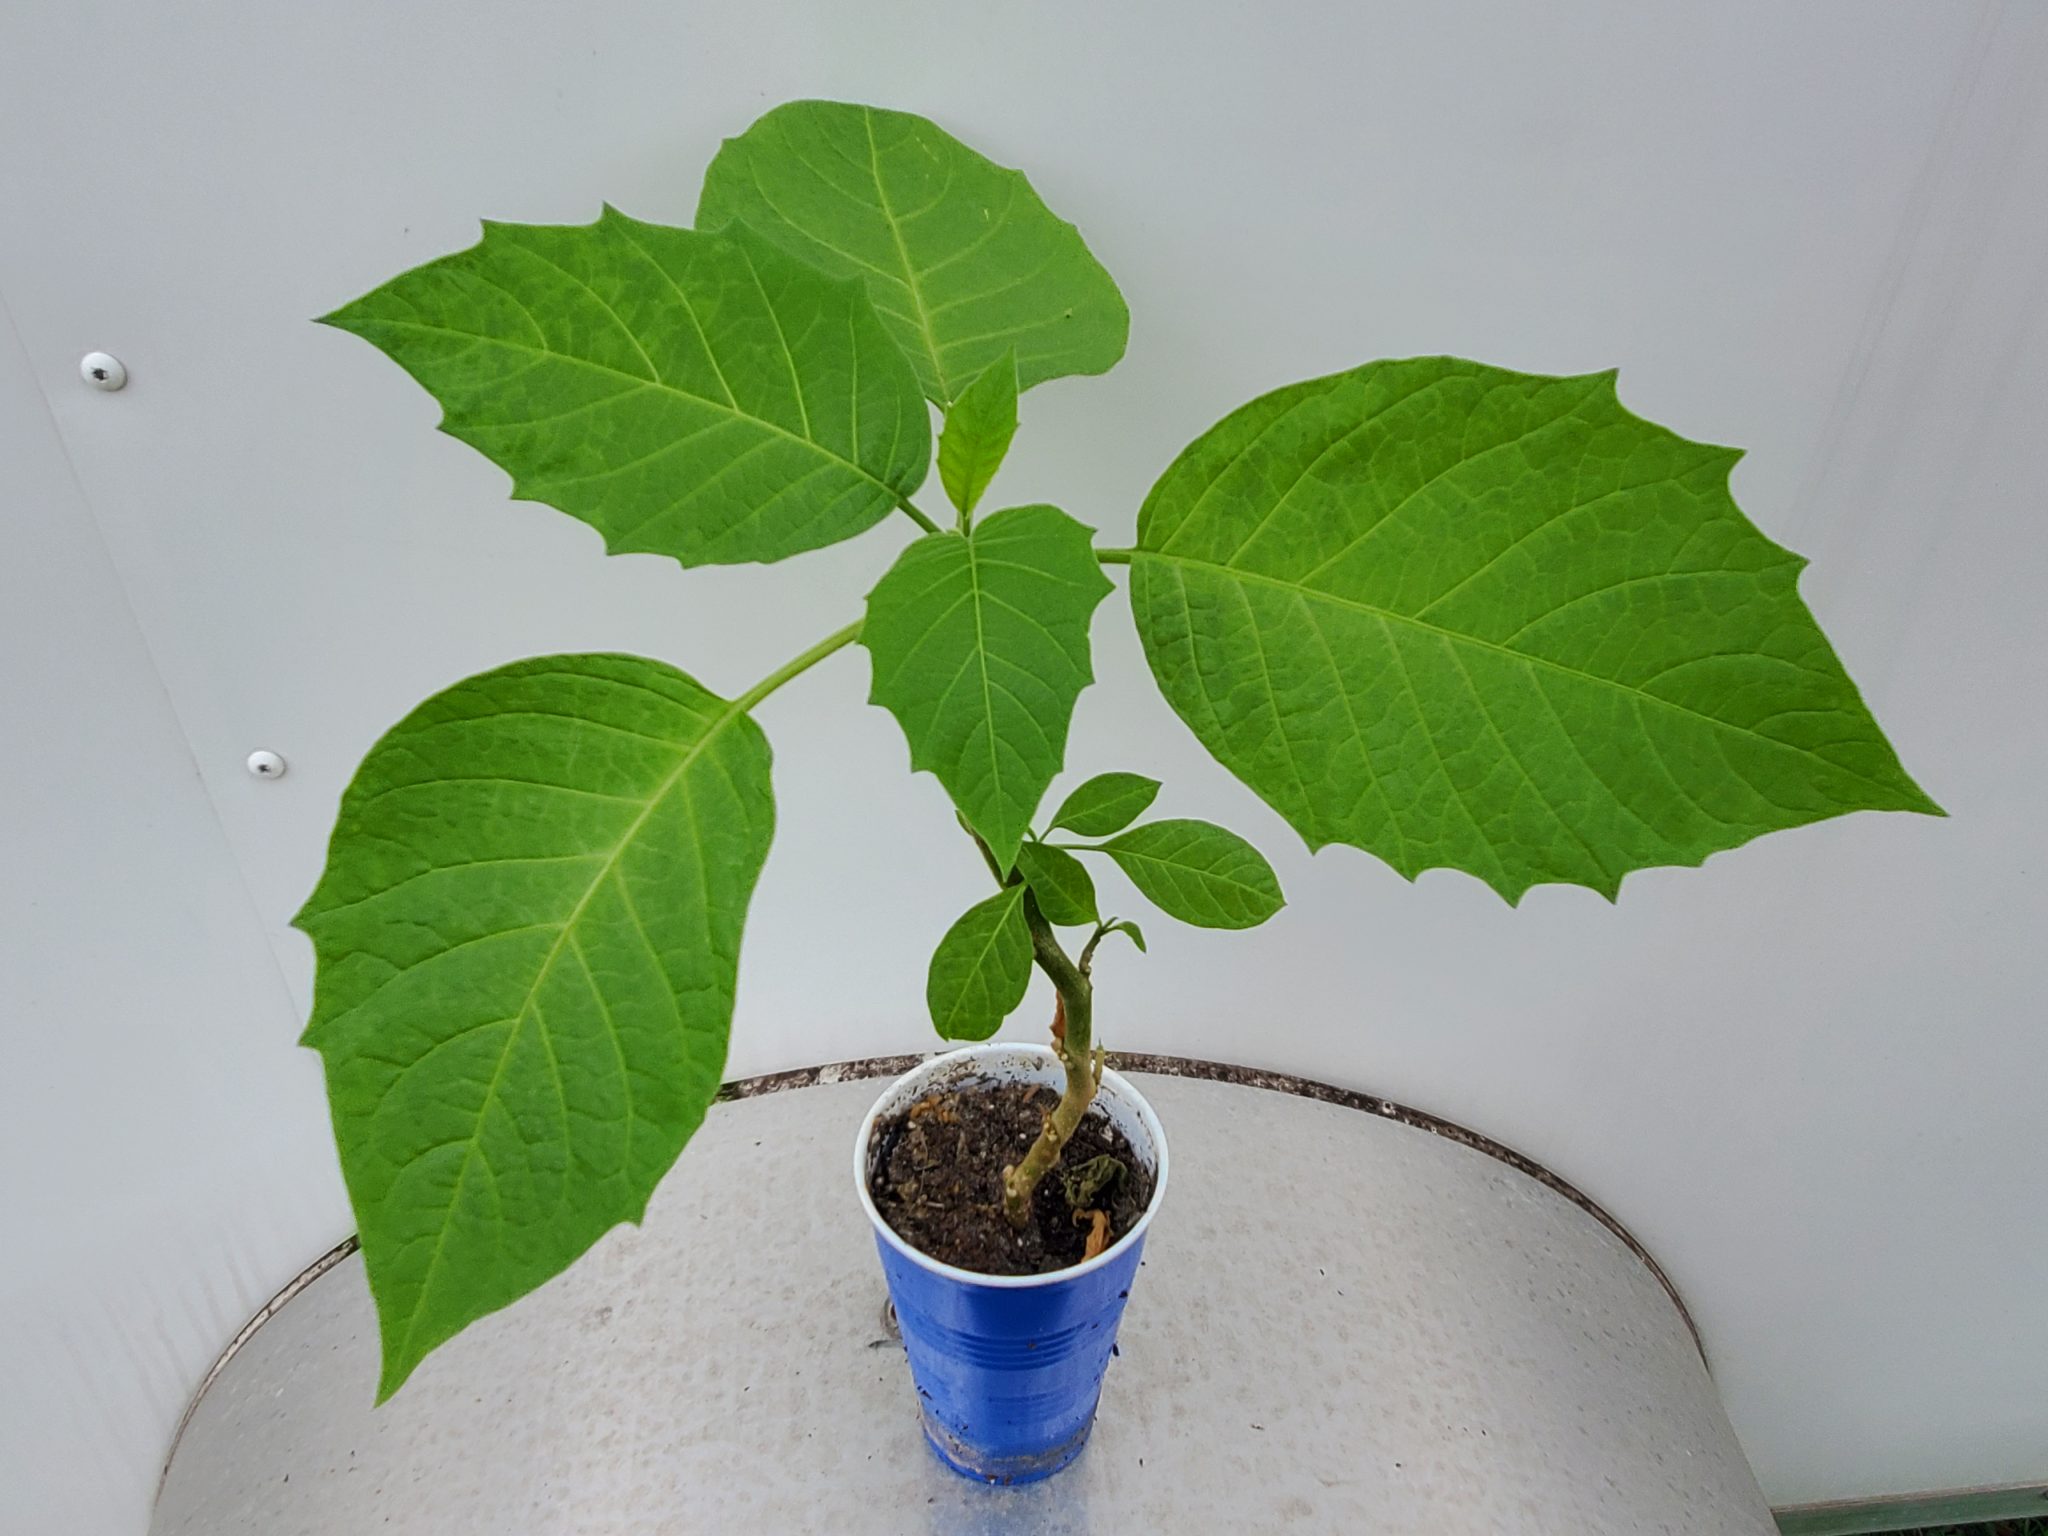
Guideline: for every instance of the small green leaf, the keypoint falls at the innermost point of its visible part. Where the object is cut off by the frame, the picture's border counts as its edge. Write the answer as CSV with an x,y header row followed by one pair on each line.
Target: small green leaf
x,y
527,935
980,647
1464,617
697,396
981,968
1198,872
962,259
1066,895
1107,803
1130,930
978,432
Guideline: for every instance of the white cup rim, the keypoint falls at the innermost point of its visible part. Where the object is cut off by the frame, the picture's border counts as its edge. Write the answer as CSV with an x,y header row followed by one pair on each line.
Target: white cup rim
x,y
1112,1083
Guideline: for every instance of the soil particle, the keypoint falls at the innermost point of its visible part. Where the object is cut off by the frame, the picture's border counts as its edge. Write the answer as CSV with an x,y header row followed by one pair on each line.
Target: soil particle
x,y
936,1174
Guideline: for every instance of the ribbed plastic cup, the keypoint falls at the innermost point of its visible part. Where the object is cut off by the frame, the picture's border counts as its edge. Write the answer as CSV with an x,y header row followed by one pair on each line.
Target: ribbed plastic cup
x,y
1009,1368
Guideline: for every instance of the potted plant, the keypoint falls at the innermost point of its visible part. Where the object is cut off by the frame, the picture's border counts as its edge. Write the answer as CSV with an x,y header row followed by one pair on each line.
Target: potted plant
x,y
1451,614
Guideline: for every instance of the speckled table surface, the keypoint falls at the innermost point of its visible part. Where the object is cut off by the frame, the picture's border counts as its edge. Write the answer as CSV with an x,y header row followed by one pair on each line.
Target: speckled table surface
x,y
1343,1324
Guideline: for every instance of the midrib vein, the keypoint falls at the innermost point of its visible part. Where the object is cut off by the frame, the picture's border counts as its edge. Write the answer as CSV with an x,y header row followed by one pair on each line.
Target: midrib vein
x,y
1389,615
924,315
656,385
719,722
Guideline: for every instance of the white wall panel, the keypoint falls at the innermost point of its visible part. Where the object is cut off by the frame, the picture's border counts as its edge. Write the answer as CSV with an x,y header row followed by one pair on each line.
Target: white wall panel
x,y
1808,1074
166,1163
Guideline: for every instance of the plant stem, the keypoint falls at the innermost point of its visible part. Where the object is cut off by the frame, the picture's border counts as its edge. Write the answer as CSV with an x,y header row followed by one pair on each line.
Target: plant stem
x,y
837,640
796,666
1115,556
1075,1042
1088,949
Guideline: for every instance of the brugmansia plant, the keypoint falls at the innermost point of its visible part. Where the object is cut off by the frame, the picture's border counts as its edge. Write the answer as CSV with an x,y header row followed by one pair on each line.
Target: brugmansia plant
x,y
1450,614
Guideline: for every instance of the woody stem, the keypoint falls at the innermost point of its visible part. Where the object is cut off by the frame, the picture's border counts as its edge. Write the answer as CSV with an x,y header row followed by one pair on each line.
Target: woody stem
x,y
1074,1042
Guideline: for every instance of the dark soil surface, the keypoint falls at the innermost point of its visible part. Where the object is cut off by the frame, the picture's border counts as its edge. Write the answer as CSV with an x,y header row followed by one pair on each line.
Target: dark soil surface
x,y
936,1174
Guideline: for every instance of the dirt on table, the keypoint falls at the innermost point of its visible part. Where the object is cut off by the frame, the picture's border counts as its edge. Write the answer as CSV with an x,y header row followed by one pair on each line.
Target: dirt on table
x,y
936,1174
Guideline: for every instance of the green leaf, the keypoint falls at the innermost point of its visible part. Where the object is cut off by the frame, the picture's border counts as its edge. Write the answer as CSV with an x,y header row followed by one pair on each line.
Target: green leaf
x,y
980,968
962,259
1065,893
1198,872
527,935
1130,930
1493,621
1107,803
978,432
697,396
980,647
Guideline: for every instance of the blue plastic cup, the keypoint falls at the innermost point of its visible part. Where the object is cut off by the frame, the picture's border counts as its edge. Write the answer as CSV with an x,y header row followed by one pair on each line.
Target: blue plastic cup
x,y
1008,1368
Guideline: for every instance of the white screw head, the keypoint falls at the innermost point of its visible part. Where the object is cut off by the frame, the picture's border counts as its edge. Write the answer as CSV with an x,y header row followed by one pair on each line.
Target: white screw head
x,y
266,765
102,370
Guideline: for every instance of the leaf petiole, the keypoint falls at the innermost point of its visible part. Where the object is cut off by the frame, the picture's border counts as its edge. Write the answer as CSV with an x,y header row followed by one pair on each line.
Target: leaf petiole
x,y
796,666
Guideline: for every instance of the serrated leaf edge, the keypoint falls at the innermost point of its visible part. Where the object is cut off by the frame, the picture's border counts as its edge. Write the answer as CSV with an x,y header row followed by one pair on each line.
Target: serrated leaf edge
x,y
610,216
1606,381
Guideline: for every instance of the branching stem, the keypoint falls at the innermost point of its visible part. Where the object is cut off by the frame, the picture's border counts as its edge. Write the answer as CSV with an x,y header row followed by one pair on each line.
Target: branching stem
x,y
1074,1039
1073,1029
1088,950
1075,1043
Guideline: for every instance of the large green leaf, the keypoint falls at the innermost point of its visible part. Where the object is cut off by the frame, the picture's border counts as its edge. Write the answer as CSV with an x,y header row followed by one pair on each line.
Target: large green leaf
x,y
1464,617
962,259
980,647
1198,872
527,935
699,396
981,968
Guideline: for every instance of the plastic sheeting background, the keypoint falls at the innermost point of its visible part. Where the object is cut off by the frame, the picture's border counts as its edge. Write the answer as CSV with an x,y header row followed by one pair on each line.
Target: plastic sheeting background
x,y
1807,1075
